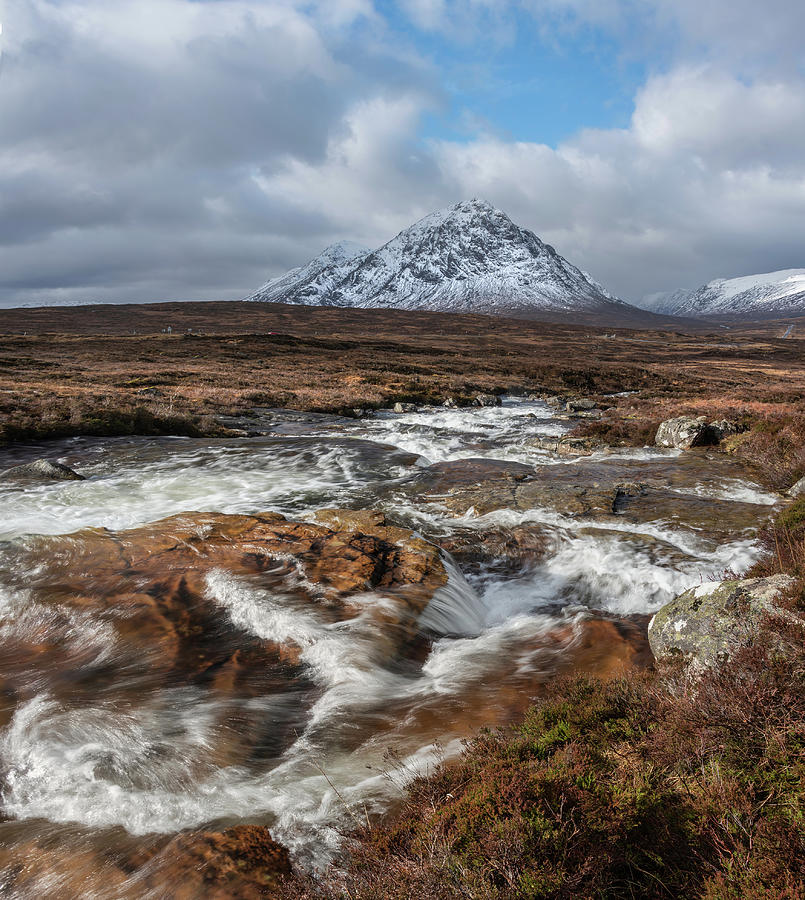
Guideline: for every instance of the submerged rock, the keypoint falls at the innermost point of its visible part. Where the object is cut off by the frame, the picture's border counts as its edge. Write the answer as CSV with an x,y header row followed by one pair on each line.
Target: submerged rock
x,y
243,862
708,623
190,600
41,470
566,445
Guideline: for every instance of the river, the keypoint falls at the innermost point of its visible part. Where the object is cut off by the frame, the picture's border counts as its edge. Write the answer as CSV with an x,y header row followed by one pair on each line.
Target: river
x,y
107,748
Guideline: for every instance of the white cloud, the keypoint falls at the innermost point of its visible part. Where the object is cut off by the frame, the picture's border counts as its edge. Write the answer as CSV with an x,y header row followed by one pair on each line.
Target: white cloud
x,y
167,148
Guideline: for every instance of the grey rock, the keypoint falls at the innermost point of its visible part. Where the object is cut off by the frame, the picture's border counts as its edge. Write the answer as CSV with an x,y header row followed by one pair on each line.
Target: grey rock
x,y
723,428
568,446
404,407
706,624
683,433
798,488
486,400
580,405
41,470
450,403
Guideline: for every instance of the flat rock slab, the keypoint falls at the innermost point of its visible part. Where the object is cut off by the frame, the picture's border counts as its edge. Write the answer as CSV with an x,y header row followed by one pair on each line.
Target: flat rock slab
x,y
159,594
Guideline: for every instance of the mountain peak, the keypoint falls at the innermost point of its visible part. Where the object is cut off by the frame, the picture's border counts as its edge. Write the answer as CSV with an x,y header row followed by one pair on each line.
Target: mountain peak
x,y
469,257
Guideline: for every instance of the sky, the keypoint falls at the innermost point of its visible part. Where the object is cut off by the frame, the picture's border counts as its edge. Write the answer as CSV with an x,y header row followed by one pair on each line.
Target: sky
x,y
192,149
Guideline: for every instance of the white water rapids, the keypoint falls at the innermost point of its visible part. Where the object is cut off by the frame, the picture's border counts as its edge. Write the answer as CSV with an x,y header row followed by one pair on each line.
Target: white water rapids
x,y
131,756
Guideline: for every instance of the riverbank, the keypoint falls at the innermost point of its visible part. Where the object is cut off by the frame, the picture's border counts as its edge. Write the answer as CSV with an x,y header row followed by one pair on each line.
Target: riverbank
x,y
113,371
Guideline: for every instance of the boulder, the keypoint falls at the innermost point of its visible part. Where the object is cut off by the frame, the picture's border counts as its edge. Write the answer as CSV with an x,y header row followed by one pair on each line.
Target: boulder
x,y
722,428
581,405
566,445
450,403
798,488
404,407
684,432
706,624
41,470
486,400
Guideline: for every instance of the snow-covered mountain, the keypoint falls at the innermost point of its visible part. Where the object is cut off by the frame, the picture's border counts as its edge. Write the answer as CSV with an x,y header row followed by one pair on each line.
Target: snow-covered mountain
x,y
470,257
310,283
770,294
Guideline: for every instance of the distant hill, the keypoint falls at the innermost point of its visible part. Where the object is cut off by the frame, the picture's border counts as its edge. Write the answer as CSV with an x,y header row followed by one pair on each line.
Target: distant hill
x,y
772,295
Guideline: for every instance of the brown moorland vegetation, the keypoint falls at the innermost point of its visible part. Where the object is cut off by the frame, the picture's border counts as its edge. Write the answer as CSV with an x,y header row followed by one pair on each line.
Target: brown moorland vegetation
x,y
113,370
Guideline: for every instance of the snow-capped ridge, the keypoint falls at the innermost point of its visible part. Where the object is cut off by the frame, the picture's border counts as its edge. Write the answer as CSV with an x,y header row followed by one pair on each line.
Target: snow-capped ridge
x,y
469,257
768,293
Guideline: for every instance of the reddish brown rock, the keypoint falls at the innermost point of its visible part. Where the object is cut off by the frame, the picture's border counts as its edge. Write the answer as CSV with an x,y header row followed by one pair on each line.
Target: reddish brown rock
x,y
150,585
241,863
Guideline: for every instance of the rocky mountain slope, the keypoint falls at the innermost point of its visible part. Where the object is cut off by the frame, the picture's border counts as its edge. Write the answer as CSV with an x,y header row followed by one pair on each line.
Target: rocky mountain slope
x,y
770,294
470,257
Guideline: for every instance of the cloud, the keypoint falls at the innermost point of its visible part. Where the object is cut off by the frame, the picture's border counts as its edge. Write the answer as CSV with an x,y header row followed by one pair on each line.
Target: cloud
x,y
699,185
174,149
134,132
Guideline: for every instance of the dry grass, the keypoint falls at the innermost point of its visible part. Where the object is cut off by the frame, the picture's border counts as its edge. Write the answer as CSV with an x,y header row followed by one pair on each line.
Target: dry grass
x,y
93,375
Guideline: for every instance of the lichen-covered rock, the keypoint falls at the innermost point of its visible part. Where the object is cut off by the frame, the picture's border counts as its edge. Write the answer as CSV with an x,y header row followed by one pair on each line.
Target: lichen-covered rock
x,y
707,623
798,488
41,470
486,400
723,428
684,432
582,404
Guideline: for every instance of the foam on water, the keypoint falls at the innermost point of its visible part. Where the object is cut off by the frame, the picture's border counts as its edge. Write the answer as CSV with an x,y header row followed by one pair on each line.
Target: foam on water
x,y
492,432
293,475
732,489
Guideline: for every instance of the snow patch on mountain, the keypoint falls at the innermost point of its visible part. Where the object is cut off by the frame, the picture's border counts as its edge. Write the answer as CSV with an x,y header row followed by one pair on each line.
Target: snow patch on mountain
x,y
470,257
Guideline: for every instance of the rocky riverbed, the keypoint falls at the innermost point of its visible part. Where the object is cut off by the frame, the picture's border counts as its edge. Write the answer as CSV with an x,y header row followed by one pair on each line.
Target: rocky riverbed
x,y
214,645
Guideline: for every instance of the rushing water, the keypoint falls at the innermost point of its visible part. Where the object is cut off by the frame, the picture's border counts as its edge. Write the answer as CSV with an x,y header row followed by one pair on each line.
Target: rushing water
x,y
97,754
